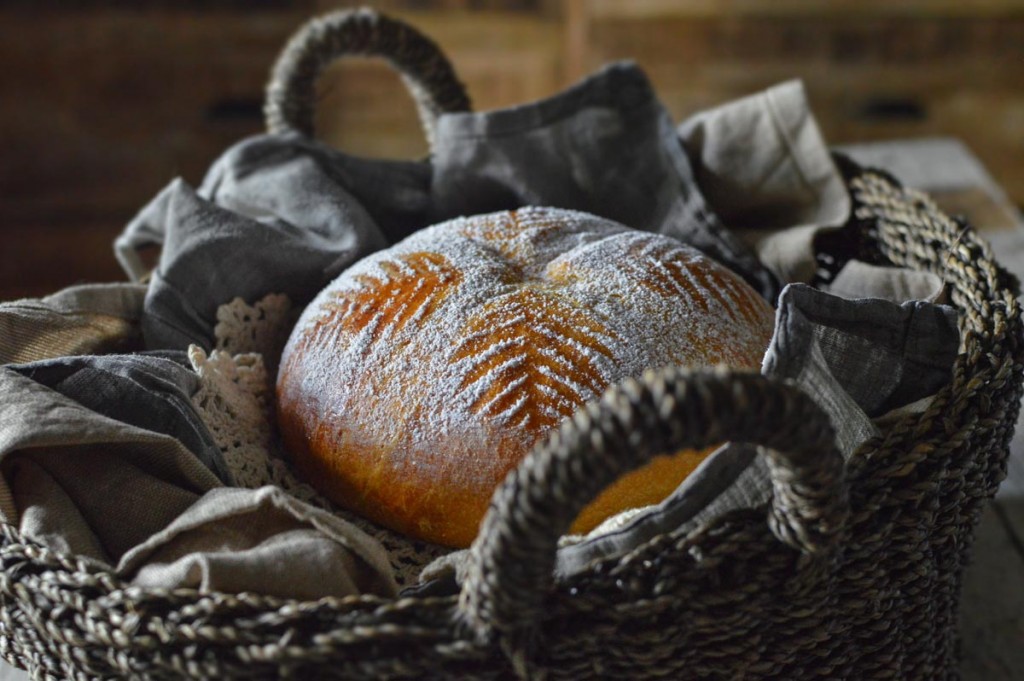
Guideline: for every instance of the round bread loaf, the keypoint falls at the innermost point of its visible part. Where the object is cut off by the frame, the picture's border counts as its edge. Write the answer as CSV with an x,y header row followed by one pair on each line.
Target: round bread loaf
x,y
425,372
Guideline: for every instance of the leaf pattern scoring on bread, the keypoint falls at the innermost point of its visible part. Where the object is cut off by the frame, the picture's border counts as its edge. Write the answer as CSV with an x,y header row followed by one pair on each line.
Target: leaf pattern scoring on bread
x,y
411,288
673,271
532,358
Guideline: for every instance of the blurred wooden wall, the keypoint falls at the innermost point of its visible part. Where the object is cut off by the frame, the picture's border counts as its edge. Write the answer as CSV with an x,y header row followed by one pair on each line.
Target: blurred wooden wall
x,y
103,104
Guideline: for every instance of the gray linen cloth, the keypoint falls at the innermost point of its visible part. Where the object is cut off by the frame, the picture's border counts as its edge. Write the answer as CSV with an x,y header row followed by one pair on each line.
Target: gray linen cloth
x,y
285,214
212,254
282,214
856,358
151,392
605,146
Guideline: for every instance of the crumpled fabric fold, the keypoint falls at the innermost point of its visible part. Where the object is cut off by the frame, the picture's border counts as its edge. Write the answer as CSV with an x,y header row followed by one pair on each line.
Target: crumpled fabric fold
x,y
84,482
263,541
151,392
285,214
105,457
764,168
211,255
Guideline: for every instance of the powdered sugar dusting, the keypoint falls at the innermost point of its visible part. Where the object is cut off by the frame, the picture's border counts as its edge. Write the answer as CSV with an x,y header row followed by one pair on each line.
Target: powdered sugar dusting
x,y
492,329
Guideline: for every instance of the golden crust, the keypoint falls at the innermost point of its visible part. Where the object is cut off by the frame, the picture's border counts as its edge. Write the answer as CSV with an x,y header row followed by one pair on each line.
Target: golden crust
x,y
421,376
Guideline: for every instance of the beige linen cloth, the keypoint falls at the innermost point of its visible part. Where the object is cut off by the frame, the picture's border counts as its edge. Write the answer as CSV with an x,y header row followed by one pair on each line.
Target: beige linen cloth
x,y
763,166
93,318
139,501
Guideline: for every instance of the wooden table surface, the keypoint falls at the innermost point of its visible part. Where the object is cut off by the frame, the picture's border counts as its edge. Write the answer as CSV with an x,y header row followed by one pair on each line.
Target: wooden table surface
x,y
993,598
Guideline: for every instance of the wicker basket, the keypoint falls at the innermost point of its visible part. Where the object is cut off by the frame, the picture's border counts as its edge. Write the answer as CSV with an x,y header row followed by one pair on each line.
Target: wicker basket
x,y
850,572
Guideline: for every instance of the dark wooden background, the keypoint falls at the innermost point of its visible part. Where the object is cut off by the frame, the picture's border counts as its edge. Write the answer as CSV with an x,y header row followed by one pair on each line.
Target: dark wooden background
x,y
103,103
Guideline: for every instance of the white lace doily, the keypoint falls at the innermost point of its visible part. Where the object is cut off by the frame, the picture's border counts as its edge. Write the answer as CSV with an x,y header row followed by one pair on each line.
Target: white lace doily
x,y
261,328
235,401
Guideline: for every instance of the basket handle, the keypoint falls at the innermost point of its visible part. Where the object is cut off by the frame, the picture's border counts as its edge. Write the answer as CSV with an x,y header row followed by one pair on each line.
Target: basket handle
x,y
513,558
427,73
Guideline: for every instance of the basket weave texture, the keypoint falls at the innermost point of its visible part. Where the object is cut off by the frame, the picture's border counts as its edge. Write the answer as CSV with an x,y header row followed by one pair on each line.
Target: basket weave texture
x,y
850,572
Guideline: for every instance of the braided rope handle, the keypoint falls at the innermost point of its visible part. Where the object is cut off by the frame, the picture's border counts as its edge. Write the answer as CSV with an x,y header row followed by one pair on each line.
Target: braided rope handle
x,y
513,557
427,73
